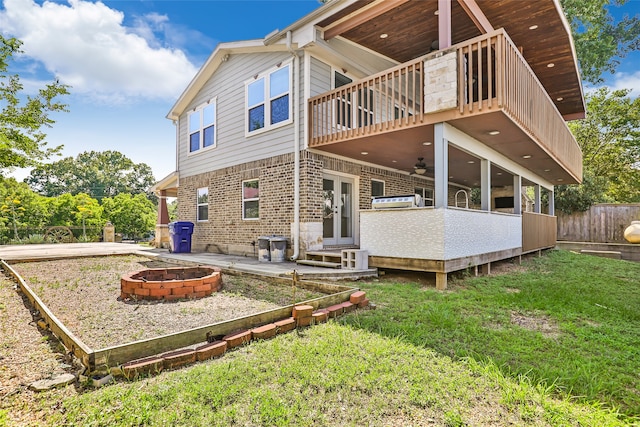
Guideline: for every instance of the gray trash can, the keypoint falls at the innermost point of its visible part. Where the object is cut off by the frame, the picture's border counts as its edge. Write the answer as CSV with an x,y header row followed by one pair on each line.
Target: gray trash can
x,y
278,248
264,254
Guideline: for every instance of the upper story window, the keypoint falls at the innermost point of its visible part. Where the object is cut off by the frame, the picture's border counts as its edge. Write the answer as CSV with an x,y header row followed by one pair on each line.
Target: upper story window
x,y
202,204
250,199
269,99
202,127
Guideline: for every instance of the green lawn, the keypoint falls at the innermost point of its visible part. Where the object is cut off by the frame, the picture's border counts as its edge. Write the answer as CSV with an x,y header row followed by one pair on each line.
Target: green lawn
x,y
569,322
555,345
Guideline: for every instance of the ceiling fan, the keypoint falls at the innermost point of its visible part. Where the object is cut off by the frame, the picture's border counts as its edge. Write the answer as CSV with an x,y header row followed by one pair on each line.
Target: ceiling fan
x,y
420,168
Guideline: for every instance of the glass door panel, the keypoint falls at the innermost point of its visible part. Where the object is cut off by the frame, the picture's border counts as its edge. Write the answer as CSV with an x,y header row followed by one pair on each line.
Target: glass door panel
x,y
328,229
338,210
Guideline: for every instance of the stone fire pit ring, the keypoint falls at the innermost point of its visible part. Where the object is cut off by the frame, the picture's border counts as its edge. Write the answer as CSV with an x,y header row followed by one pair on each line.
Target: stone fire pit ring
x,y
170,284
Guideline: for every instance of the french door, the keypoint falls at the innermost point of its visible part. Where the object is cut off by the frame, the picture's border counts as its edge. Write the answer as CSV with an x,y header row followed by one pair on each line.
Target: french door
x,y
338,210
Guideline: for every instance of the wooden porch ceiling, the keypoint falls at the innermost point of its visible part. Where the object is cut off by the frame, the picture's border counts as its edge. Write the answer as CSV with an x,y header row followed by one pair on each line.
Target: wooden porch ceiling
x,y
401,149
411,29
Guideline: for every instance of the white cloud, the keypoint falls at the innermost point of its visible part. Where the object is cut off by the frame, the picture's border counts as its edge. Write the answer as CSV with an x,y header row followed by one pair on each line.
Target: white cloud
x,y
630,81
87,46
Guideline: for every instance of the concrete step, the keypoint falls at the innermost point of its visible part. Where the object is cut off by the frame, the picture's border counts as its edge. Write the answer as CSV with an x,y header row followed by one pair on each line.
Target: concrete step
x,y
317,263
324,256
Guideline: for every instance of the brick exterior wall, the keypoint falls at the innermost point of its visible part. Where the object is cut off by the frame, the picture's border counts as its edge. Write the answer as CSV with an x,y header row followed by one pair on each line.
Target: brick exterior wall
x,y
226,231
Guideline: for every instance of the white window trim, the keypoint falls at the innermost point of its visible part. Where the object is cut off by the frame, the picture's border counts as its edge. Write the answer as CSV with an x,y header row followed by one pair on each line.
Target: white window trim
x,y
198,204
267,100
200,107
424,198
250,200
384,186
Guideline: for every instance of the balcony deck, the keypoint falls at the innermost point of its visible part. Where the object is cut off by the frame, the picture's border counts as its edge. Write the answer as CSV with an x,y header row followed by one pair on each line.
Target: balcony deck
x,y
478,86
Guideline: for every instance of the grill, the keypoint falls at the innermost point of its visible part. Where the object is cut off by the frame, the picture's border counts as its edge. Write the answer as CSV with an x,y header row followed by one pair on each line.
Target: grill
x,y
391,202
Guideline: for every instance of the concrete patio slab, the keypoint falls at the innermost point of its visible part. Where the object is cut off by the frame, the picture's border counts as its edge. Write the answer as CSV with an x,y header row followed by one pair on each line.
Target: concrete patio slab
x,y
66,250
228,263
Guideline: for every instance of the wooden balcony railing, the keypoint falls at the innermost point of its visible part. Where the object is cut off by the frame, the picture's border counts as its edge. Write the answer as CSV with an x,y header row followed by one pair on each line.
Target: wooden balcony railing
x,y
504,74
491,74
539,231
385,101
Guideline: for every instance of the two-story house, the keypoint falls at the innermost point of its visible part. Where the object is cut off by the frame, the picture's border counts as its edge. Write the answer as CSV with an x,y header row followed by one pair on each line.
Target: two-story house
x,y
462,102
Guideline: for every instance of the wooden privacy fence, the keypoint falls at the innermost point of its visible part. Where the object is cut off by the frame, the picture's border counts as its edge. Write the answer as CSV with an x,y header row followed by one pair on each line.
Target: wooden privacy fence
x,y
602,223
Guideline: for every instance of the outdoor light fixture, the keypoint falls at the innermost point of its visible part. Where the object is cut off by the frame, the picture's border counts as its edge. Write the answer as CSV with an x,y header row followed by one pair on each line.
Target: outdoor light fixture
x,y
420,168
384,35
494,132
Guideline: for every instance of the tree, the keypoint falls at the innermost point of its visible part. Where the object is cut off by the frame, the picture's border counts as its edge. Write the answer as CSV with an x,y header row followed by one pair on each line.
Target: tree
x,y
600,41
609,137
75,210
22,143
579,198
88,212
133,216
98,174
20,207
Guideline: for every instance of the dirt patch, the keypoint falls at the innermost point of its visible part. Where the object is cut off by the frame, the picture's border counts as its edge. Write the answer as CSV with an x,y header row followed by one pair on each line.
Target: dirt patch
x,y
424,279
84,294
539,323
26,355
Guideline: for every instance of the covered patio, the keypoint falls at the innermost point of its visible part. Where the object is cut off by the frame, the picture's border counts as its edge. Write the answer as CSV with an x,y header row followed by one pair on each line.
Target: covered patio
x,y
167,187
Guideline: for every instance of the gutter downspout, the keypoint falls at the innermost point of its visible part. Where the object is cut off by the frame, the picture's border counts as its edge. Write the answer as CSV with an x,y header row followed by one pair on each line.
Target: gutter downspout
x,y
296,149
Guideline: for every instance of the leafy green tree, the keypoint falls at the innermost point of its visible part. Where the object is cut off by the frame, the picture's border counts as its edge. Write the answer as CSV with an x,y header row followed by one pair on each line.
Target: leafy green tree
x,y
20,207
132,215
172,209
600,40
88,212
579,198
22,142
97,173
75,210
609,137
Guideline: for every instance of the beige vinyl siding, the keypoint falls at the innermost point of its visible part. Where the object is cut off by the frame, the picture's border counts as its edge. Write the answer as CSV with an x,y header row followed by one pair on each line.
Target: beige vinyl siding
x,y
232,146
320,77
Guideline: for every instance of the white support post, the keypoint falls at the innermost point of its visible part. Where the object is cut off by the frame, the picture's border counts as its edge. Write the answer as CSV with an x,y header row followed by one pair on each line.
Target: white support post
x,y
537,208
517,194
441,167
485,185
552,202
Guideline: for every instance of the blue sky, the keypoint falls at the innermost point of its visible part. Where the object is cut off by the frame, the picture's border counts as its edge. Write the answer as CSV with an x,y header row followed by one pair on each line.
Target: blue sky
x,y
128,60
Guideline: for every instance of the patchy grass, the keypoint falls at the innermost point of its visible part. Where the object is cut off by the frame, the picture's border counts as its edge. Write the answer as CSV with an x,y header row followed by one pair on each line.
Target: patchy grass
x,y
566,322
552,343
328,375
267,290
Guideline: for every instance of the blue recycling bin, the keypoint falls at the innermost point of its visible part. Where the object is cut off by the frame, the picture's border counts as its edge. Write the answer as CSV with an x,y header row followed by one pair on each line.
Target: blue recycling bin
x,y
180,236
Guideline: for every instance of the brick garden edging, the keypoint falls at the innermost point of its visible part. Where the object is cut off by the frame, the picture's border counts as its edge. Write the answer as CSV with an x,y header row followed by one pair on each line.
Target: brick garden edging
x,y
170,283
302,316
